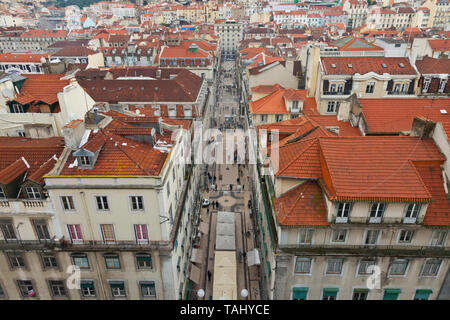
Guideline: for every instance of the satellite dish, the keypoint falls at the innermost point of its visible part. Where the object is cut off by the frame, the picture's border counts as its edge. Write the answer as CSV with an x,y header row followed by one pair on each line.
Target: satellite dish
x,y
7,93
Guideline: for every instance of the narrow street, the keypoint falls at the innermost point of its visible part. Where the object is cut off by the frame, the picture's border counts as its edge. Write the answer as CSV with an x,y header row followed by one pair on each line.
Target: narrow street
x,y
228,185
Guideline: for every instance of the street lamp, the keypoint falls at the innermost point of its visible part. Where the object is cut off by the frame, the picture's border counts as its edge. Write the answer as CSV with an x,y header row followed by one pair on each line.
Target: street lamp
x,y
201,293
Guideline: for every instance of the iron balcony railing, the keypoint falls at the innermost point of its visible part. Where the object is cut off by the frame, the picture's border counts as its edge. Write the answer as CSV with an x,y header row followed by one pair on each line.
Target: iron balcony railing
x,y
376,250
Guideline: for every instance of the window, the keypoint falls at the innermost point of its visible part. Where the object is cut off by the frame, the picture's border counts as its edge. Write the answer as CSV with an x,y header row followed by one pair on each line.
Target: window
x,y
264,118
438,238
117,288
333,88
49,260
376,212
426,84
340,88
144,261
141,233
102,203
305,236
330,293
137,203
75,233
87,288
397,88
295,106
339,235
391,294
108,233
2,292
112,261
405,236
278,117
371,237
21,133
360,294
26,288
8,230
303,265
85,160
57,288
405,87
412,212
364,266
422,294
147,288
343,211
331,107
80,260
41,229
431,267
398,267
2,194
16,260
334,266
33,193
17,108
67,203
442,84
299,293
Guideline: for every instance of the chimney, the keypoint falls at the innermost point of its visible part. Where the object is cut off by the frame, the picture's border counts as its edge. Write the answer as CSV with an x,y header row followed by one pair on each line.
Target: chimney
x,y
96,115
73,133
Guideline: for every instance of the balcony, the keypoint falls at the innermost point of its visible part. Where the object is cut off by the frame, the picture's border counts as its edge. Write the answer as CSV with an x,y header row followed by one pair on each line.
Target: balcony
x,y
335,93
95,245
375,250
25,206
399,93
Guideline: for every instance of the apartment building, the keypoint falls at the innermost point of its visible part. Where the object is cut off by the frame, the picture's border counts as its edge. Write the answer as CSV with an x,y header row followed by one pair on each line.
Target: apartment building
x,y
439,13
29,269
357,12
230,33
337,205
31,40
367,77
22,63
195,56
124,199
434,76
167,92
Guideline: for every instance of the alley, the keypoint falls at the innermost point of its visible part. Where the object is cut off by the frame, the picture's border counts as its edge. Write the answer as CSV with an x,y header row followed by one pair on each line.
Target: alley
x,y
227,187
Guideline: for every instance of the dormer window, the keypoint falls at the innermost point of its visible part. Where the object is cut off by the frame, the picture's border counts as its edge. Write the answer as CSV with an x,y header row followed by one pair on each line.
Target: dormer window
x,y
85,160
295,106
2,193
33,193
442,84
412,212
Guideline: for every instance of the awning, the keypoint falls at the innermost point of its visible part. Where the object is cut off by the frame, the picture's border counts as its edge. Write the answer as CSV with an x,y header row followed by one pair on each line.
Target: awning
x,y
194,275
203,227
197,255
253,258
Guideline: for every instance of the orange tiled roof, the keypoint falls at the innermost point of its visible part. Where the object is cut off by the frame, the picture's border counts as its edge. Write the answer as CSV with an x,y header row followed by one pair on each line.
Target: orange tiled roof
x,y
439,44
303,205
270,88
402,113
438,211
41,87
430,65
22,57
376,168
36,152
363,65
274,103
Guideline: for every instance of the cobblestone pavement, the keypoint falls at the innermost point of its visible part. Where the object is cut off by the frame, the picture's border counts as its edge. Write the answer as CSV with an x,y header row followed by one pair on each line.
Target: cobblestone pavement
x,y
225,116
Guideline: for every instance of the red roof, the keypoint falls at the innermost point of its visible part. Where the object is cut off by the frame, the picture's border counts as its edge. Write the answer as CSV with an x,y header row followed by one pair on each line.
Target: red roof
x,y
395,115
274,103
439,44
41,87
266,88
430,65
16,57
363,65
303,205
45,34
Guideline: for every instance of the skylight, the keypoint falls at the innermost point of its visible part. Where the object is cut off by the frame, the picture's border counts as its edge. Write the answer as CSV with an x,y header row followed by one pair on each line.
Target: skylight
x,y
401,65
349,65
333,65
384,65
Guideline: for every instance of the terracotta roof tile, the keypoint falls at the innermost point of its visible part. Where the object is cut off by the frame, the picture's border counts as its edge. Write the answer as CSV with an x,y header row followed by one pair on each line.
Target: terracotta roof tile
x,y
430,65
303,205
13,171
363,65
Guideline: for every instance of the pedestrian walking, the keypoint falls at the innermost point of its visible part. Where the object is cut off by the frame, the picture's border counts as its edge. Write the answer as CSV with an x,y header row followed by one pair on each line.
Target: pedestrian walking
x,y
209,275
244,254
214,179
238,180
231,187
207,211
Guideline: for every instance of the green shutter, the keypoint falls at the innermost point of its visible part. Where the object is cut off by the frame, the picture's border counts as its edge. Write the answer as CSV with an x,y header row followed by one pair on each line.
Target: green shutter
x,y
85,285
391,294
143,258
423,294
117,285
330,292
269,269
361,290
300,293
265,248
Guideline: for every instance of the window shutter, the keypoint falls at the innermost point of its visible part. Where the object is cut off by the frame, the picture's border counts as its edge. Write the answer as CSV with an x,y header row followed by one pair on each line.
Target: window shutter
x,y
434,85
326,85
447,86
390,85
411,86
420,82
